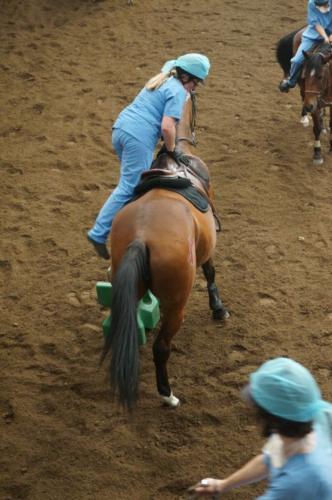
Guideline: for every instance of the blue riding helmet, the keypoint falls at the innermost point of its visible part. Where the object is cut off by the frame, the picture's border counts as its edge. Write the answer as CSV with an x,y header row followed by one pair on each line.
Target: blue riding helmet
x,y
196,65
321,2
286,389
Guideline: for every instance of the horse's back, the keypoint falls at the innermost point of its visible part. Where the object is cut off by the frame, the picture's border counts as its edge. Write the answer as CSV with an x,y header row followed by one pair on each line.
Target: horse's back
x,y
176,234
158,218
163,222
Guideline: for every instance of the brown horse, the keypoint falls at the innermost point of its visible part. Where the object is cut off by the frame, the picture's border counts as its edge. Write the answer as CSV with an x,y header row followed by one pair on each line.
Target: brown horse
x,y
317,93
315,82
157,243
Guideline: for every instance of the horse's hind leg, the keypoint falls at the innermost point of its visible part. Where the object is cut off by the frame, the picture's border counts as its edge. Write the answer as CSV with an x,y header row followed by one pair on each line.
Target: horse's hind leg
x,y
172,320
219,311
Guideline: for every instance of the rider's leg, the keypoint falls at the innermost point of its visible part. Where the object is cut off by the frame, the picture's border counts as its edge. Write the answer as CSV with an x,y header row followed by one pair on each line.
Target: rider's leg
x,y
296,65
135,158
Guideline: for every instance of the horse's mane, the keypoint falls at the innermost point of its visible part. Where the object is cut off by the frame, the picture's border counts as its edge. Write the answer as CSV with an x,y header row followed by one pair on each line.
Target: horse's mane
x,y
315,60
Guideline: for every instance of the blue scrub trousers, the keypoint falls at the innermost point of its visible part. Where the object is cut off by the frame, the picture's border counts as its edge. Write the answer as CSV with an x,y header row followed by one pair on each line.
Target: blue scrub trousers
x,y
298,59
135,158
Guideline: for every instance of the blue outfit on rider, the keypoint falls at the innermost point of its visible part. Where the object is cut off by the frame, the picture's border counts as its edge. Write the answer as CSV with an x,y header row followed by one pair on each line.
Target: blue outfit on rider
x,y
136,133
310,36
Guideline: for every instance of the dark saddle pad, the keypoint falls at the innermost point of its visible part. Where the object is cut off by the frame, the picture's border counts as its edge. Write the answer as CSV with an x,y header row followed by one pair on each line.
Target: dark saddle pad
x,y
176,184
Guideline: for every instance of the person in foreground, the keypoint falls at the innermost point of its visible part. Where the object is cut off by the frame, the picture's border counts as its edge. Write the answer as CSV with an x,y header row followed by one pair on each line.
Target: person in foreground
x,y
319,29
153,114
297,457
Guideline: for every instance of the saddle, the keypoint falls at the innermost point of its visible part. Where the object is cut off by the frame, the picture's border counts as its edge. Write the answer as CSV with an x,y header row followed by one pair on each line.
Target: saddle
x,y
297,39
165,167
192,181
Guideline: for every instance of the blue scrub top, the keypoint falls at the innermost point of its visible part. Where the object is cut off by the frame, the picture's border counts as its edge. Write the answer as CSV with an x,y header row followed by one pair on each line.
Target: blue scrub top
x,y
305,476
142,118
315,17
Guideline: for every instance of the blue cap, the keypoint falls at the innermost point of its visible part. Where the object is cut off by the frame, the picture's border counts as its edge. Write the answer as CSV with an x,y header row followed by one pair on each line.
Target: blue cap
x,y
321,2
286,389
196,65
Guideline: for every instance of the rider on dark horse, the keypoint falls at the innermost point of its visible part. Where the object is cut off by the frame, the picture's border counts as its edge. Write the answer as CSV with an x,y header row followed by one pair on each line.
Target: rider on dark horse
x,y
319,29
153,113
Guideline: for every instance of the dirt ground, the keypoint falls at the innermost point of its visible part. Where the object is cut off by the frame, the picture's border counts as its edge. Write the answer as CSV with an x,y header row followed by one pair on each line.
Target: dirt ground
x,y
67,69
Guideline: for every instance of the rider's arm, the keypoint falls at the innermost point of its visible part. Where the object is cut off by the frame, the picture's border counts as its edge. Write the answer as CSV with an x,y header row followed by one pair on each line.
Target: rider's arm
x,y
322,32
168,132
314,21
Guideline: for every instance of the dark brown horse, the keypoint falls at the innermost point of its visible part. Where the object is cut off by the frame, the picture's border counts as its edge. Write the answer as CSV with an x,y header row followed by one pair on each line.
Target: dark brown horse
x,y
157,243
315,82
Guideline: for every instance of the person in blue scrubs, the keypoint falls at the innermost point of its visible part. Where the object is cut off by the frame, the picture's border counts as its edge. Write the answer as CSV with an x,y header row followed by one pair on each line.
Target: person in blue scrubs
x,y
153,114
297,457
319,29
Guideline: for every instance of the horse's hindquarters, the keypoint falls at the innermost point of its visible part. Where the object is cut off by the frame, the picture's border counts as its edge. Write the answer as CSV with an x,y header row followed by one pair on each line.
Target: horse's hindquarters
x,y
177,235
163,221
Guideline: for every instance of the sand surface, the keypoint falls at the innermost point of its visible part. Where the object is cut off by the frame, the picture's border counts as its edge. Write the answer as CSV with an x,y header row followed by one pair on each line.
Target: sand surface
x,y
67,69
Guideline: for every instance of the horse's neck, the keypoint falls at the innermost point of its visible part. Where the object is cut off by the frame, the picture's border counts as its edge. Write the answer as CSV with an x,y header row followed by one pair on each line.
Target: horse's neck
x,y
326,82
184,146
184,134
329,78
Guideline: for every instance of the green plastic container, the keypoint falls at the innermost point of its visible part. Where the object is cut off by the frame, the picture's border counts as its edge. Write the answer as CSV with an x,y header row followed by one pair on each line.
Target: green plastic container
x,y
104,293
148,312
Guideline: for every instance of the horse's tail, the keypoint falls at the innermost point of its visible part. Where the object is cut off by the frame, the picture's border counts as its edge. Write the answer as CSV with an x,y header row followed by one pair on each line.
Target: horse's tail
x,y
284,51
123,337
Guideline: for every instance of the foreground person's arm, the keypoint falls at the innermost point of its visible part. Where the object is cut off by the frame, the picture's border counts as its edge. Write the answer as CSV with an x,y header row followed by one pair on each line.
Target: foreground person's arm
x,y
252,471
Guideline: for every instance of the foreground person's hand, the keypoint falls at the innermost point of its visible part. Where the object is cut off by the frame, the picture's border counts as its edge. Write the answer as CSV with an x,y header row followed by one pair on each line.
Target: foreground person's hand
x,y
208,487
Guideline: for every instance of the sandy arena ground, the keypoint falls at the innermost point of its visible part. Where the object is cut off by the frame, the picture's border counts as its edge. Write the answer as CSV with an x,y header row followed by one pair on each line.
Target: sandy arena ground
x,y
67,68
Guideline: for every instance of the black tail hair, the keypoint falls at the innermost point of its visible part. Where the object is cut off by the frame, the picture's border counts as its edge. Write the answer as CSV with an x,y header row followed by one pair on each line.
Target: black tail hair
x,y
123,337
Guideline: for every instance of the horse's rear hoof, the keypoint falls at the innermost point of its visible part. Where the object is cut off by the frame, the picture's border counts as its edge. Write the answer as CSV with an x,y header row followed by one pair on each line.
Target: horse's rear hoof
x,y
171,401
318,161
220,314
